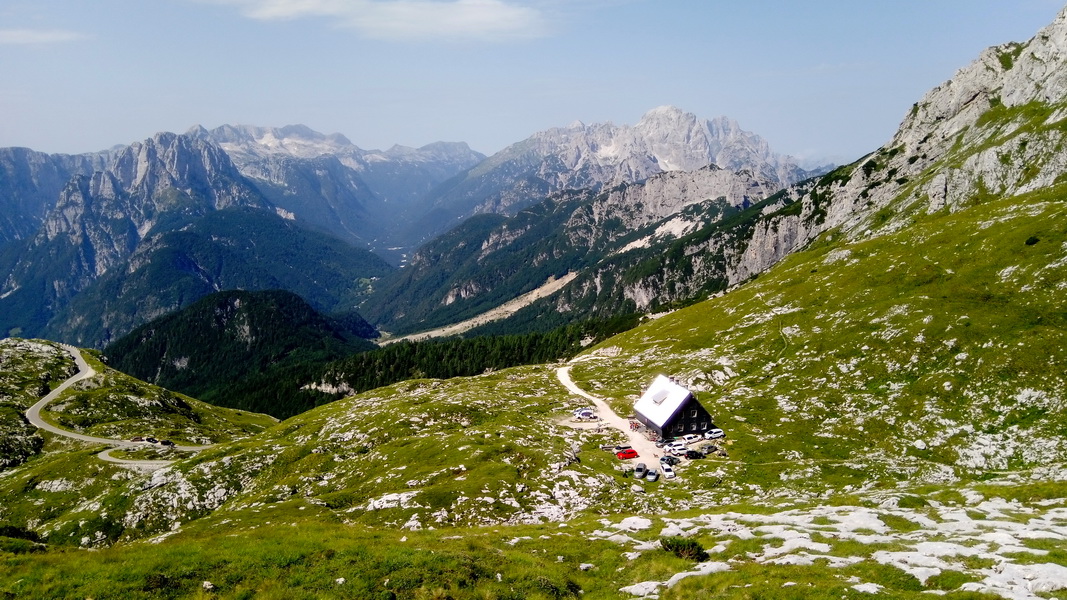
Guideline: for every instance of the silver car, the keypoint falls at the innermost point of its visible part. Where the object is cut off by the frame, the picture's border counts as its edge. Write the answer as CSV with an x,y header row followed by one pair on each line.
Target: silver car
x,y
714,434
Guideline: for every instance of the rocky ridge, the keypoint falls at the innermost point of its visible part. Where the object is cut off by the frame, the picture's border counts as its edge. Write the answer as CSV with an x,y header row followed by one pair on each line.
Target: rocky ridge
x,y
30,183
995,129
590,156
138,227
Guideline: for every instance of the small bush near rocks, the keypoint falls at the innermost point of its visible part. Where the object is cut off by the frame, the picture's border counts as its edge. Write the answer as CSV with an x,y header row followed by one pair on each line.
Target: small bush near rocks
x,y
684,548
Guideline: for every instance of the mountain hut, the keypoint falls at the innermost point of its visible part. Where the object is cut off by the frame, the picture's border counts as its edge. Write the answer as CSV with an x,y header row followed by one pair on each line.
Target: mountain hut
x,y
671,410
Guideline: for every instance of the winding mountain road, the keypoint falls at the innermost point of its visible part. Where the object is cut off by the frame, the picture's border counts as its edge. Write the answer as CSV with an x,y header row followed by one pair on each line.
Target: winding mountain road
x,y
33,415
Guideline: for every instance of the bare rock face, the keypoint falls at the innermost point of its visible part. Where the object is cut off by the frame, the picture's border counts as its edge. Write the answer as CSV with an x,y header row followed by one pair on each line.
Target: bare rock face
x,y
30,183
99,219
995,129
106,214
602,155
992,128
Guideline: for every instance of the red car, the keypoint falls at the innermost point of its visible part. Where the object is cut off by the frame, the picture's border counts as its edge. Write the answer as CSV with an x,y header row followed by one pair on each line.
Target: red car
x,y
625,454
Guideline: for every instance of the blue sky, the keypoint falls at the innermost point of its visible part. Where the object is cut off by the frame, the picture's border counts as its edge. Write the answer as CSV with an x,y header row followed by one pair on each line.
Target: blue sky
x,y
820,79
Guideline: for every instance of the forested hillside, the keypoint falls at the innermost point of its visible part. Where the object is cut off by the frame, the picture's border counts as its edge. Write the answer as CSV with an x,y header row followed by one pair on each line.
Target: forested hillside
x,y
227,337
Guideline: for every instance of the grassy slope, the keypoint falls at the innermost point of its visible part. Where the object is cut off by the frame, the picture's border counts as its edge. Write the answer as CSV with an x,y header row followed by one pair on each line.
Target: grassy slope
x,y
927,355
28,370
115,405
64,492
298,549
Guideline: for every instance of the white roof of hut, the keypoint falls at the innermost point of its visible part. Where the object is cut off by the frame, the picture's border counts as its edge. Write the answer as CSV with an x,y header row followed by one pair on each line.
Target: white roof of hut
x,y
661,400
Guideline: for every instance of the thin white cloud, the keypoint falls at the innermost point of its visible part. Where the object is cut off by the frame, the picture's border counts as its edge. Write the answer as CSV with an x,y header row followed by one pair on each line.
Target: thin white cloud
x,y
486,20
27,37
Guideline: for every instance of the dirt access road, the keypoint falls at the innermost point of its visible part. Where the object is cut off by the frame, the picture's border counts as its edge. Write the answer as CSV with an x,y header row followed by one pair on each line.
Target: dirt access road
x,y
647,451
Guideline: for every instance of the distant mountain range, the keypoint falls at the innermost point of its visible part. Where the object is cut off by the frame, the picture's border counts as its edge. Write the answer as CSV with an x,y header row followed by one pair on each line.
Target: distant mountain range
x,y
164,222
366,197
96,244
581,156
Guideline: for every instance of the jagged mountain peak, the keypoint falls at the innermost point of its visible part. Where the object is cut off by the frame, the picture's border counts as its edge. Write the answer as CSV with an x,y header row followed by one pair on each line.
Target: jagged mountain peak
x,y
666,115
582,155
181,161
668,138
292,140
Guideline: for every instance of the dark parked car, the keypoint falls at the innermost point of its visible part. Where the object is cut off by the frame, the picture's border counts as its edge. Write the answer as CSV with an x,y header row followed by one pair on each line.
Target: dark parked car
x,y
166,443
669,460
151,440
691,454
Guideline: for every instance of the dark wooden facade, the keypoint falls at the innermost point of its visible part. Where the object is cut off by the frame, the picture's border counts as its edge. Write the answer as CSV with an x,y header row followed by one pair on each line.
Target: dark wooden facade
x,y
690,417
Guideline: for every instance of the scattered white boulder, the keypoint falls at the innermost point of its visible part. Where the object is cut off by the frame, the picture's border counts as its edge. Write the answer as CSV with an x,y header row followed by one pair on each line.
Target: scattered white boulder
x,y
705,568
634,524
643,589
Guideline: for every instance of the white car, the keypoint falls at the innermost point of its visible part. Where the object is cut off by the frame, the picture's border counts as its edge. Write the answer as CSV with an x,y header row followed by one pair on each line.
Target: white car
x,y
667,470
714,434
676,448
689,438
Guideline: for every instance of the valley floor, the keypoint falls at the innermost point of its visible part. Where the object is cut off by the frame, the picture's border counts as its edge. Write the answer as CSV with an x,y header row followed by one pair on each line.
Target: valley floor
x,y
503,311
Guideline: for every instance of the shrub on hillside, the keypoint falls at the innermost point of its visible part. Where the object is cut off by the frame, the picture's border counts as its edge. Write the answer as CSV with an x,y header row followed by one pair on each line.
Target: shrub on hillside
x,y
684,548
